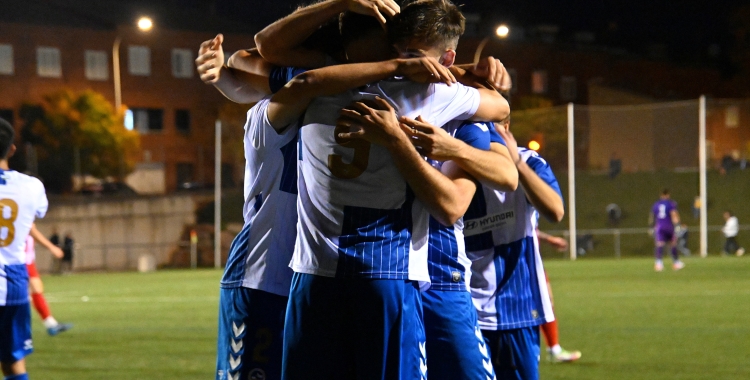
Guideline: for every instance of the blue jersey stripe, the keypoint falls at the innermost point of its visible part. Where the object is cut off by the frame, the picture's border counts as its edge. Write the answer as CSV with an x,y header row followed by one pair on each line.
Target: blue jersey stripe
x,y
375,243
518,298
17,282
289,173
446,273
234,272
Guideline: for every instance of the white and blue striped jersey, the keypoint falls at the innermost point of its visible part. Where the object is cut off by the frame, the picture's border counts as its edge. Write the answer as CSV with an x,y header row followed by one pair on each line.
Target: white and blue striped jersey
x,y
22,199
449,267
357,215
260,254
508,286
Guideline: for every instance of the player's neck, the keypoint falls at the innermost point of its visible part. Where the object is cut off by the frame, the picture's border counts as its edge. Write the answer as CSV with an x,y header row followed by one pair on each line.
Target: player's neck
x,y
4,165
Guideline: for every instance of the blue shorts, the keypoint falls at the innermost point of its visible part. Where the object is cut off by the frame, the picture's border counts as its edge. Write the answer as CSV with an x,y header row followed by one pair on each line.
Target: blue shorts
x,y
455,345
515,353
251,329
353,328
15,333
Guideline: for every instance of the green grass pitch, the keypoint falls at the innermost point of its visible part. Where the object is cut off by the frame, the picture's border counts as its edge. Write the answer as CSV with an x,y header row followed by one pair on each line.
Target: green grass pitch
x,y
629,322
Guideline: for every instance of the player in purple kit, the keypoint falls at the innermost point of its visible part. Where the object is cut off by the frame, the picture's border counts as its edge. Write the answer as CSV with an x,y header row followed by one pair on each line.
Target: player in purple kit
x,y
663,218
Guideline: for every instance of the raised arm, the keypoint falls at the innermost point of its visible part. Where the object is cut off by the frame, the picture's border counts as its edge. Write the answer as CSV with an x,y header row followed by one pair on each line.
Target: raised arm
x,y
492,106
290,102
281,42
236,85
41,239
492,167
446,197
541,195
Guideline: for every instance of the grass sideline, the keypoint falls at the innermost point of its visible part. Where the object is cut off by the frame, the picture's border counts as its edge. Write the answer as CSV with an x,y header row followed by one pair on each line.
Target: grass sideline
x,y
630,322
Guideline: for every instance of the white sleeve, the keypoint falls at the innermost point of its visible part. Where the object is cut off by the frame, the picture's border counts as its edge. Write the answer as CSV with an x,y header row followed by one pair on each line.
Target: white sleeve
x,y
456,102
41,203
260,134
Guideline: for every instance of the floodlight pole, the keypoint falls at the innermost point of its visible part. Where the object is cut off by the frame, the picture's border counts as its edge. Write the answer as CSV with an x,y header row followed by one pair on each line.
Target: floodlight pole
x,y
702,157
572,185
217,198
116,72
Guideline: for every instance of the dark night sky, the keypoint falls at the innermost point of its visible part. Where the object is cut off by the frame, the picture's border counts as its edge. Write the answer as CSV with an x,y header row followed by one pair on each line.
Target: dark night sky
x,y
687,28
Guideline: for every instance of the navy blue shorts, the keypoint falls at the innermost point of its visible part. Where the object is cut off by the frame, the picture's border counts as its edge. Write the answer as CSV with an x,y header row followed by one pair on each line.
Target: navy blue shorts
x,y
353,328
15,333
251,329
455,345
515,353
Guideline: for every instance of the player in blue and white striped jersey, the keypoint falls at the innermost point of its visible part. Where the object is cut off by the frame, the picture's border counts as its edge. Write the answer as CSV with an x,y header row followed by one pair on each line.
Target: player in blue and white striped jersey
x,y
22,199
257,277
508,283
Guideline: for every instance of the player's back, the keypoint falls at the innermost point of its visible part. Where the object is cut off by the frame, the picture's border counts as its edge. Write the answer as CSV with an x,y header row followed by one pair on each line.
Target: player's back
x,y
22,199
357,214
260,254
662,211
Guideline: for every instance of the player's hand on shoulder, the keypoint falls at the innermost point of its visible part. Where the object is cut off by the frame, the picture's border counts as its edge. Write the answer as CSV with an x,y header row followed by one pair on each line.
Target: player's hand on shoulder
x,y
424,70
494,72
431,141
375,8
371,120
210,59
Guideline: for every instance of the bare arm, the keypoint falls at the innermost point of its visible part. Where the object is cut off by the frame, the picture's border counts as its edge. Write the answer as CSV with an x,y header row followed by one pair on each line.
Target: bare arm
x,y
494,167
675,217
446,197
541,195
41,239
281,42
492,105
287,105
237,86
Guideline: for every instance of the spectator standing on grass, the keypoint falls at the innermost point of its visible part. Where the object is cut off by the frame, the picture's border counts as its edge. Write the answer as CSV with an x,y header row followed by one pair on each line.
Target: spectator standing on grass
x,y
67,260
730,230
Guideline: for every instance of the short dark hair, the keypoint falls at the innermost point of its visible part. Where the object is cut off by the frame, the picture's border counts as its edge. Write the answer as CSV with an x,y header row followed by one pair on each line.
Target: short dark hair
x,y
354,26
7,135
434,22
665,191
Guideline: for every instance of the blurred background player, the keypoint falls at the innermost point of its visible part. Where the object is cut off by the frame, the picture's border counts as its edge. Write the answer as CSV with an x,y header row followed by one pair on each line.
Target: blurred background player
x,y
35,282
22,199
555,353
730,230
663,218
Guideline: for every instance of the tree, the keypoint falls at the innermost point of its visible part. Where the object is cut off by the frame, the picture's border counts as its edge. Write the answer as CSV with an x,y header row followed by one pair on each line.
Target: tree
x,y
78,126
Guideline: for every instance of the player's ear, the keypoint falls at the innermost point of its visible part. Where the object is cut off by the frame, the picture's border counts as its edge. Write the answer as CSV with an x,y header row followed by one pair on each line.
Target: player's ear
x,y
448,58
11,151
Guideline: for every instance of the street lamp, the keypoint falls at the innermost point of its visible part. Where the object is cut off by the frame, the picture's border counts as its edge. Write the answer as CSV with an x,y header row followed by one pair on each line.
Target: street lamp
x,y
501,32
145,24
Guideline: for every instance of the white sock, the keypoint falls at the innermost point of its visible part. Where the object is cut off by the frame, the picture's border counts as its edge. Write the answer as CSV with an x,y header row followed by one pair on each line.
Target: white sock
x,y
50,322
556,349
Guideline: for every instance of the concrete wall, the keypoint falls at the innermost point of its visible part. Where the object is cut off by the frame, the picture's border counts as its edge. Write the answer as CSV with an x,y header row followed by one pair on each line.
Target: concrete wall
x,y
113,233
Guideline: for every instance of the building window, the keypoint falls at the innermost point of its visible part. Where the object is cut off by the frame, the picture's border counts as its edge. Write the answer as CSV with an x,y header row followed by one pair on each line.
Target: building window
x,y
145,120
732,117
48,62
182,63
139,60
6,59
539,82
7,115
182,120
97,67
514,80
568,90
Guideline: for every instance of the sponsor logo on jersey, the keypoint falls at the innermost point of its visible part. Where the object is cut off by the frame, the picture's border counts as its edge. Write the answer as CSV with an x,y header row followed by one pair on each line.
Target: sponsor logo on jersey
x,y
488,223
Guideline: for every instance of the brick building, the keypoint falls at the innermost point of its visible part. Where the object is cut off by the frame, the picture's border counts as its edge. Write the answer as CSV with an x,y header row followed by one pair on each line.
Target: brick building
x,y
45,50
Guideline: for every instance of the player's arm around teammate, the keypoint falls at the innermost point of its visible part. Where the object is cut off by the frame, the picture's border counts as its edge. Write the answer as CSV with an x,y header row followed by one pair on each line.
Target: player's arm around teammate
x,y
541,195
239,86
446,195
